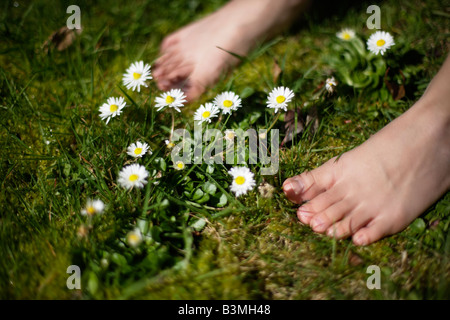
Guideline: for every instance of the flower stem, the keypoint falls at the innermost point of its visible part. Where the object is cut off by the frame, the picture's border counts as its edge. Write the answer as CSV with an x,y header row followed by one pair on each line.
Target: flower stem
x,y
274,121
173,125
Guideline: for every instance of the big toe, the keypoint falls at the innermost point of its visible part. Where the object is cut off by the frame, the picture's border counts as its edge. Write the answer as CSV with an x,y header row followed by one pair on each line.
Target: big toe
x,y
309,184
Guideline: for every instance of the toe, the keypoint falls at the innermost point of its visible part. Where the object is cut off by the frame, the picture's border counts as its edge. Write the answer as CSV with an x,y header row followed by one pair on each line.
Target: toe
x,y
329,216
317,205
193,90
166,64
168,42
374,231
351,223
308,185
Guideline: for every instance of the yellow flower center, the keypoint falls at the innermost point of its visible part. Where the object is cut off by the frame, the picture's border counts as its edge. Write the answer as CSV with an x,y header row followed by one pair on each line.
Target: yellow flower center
x,y
138,151
136,75
280,99
170,99
90,210
133,177
170,145
133,238
381,42
206,114
240,180
113,108
180,165
230,135
227,103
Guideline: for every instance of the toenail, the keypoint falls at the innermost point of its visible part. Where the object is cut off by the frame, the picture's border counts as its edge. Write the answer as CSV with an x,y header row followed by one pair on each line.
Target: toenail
x,y
287,186
296,185
304,212
316,223
360,240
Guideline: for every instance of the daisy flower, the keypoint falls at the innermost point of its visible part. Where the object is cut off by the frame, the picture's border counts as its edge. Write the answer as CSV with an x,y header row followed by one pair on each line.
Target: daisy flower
x,y
230,135
174,98
279,98
138,149
205,112
346,34
243,180
169,144
133,175
136,75
379,42
93,207
330,83
134,238
227,101
113,107
179,165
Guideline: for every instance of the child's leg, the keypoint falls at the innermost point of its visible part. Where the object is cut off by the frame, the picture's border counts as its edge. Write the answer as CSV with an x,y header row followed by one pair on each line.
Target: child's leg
x,y
190,58
380,187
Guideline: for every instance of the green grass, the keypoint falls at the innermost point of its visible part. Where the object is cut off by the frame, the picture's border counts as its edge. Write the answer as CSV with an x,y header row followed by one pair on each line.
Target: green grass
x,y
56,152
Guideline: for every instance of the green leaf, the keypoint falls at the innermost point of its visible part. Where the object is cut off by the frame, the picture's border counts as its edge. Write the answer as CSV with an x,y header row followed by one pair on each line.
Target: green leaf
x,y
197,194
209,187
199,225
119,259
223,200
92,283
418,226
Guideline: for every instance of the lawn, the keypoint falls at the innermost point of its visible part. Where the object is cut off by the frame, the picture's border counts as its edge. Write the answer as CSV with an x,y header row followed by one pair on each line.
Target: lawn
x,y
200,241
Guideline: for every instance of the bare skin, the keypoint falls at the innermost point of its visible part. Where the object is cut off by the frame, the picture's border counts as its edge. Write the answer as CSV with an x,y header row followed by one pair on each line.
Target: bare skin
x,y
380,187
190,58
373,191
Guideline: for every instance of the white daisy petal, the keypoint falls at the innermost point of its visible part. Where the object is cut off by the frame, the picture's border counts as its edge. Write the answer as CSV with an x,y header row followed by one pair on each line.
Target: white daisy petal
x,y
379,42
93,207
138,149
113,107
174,98
134,238
346,34
279,98
227,102
133,175
179,165
205,112
243,180
136,75
330,83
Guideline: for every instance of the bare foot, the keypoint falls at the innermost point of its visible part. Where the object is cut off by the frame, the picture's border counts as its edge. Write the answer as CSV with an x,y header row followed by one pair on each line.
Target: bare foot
x,y
190,58
380,187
